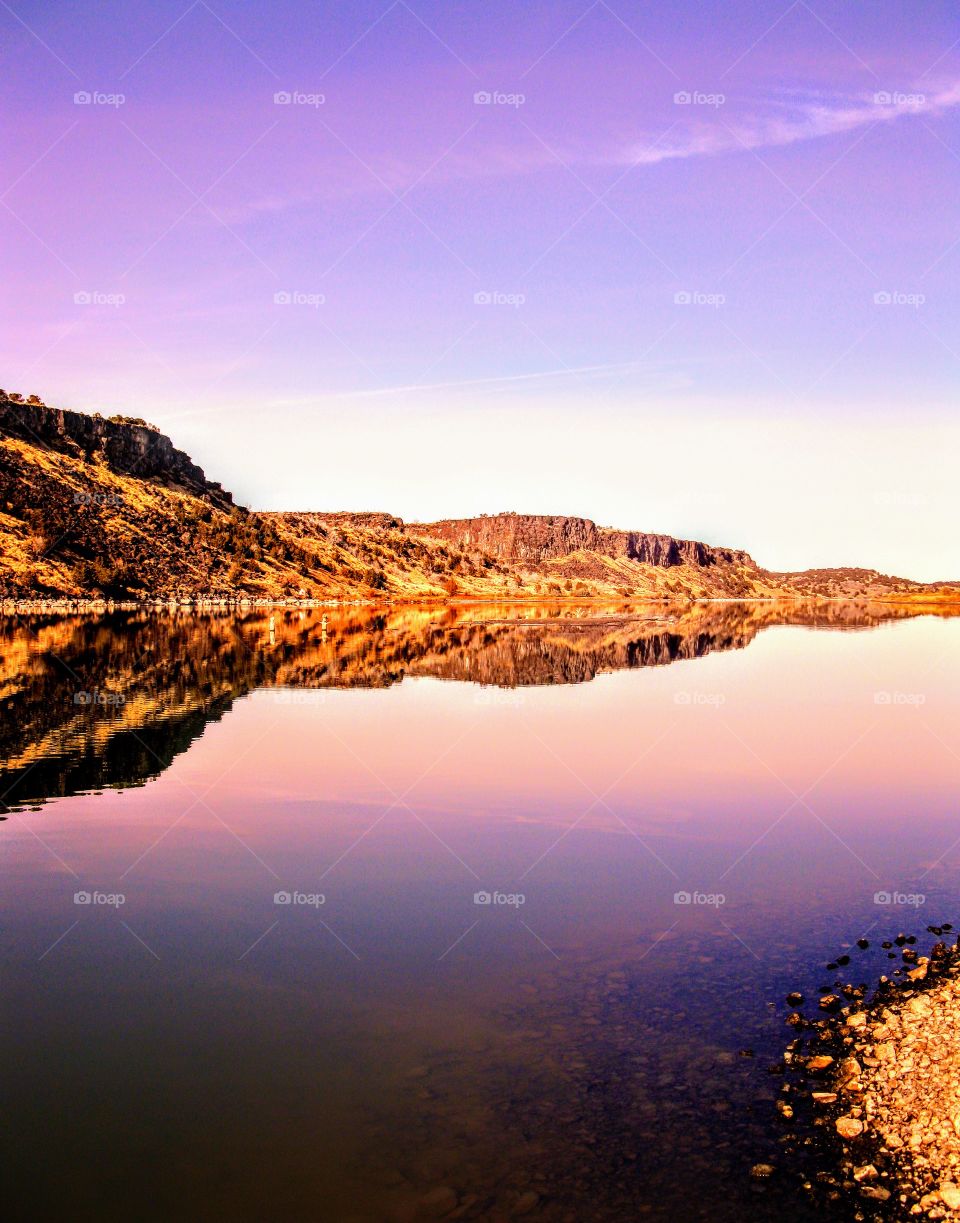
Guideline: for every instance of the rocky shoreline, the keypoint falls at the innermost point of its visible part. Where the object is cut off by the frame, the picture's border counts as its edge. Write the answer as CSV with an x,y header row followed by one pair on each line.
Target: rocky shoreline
x,y
203,603
875,1084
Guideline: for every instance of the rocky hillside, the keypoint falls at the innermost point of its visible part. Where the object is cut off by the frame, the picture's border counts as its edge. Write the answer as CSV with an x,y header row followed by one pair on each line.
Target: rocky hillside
x,y
95,507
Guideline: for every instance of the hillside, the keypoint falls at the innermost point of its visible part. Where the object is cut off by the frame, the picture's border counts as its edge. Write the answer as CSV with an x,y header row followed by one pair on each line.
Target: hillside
x,y
94,507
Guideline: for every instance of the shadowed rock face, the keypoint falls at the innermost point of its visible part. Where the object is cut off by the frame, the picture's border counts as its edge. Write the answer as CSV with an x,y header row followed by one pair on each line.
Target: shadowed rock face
x,y
535,538
87,703
127,448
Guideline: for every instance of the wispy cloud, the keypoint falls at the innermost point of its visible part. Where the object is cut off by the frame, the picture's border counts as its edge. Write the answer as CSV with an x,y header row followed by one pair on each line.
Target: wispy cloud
x,y
811,120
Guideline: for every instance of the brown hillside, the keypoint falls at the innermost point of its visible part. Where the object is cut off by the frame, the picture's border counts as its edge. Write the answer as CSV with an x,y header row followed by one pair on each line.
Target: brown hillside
x,y
95,507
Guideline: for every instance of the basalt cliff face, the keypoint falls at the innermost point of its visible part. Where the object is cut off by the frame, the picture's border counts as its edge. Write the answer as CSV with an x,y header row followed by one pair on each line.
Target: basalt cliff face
x,y
95,507
125,446
533,539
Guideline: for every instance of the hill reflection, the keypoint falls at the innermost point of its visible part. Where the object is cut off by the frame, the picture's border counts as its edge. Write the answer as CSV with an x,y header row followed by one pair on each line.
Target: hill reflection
x,y
87,704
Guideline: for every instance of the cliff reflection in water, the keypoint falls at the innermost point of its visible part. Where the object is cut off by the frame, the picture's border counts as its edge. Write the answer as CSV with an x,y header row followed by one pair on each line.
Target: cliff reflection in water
x,y
92,703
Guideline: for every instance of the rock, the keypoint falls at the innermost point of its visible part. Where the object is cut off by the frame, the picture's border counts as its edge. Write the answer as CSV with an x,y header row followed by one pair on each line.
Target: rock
x,y
849,1127
865,1173
829,1002
816,1065
795,999
950,1193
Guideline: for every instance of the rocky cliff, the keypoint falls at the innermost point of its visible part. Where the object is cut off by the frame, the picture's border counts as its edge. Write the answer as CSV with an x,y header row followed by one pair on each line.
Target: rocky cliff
x,y
534,538
92,506
125,446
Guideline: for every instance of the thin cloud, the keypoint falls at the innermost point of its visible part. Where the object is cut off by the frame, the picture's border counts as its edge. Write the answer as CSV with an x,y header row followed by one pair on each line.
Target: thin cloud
x,y
811,121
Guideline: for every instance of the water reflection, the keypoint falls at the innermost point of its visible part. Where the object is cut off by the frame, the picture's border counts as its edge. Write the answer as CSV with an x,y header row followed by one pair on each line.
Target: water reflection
x,y
92,703
399,1052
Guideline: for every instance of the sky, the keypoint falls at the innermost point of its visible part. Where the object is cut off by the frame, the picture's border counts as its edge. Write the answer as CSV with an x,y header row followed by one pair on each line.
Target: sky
x,y
689,268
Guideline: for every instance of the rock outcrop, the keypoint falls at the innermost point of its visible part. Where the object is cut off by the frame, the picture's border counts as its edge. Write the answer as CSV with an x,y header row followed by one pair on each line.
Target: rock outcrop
x,y
127,447
533,538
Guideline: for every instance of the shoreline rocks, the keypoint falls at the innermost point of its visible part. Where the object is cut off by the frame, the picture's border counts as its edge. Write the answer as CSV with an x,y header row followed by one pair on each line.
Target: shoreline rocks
x,y
878,1081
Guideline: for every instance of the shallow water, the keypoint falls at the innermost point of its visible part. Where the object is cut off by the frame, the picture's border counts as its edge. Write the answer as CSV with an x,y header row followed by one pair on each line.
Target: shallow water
x,y
679,815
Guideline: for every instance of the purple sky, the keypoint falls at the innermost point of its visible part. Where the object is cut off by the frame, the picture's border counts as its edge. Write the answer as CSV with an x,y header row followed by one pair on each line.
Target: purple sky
x,y
678,325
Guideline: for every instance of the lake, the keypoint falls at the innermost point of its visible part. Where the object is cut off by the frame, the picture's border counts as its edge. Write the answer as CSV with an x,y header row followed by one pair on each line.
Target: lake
x,y
363,914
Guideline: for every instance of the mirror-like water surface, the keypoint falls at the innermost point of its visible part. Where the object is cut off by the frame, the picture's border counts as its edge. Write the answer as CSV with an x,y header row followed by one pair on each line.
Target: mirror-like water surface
x,y
469,913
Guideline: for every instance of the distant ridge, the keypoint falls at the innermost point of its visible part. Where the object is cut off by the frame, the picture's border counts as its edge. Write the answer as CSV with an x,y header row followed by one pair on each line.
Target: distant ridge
x,y
94,507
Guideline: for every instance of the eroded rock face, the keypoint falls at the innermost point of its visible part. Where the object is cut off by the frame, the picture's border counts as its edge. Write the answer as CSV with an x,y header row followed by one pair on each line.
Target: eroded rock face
x,y
126,447
532,538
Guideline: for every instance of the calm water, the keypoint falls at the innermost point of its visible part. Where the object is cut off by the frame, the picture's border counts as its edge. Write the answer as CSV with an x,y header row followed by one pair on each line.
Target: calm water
x,y
282,999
